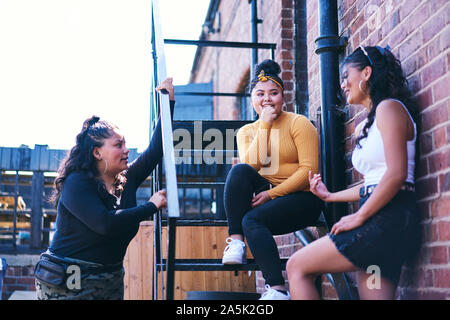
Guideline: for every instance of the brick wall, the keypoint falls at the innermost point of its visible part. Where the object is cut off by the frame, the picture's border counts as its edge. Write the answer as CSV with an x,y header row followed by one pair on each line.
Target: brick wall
x,y
418,33
19,275
229,68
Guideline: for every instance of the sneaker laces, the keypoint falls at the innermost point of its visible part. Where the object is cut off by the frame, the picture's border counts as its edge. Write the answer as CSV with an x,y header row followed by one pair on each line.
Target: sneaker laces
x,y
233,244
268,291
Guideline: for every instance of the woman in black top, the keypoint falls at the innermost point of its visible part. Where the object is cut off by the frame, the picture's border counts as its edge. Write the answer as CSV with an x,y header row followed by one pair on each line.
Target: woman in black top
x,y
98,216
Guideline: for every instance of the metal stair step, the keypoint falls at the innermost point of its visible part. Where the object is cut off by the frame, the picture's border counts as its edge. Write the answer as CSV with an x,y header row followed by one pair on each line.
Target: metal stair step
x,y
211,265
221,295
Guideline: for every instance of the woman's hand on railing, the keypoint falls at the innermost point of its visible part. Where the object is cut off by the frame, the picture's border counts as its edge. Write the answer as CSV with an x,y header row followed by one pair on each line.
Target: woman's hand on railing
x,y
159,199
167,87
317,187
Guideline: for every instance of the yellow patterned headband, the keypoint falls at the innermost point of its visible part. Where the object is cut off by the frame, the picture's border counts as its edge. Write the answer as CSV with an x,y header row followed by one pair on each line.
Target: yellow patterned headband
x,y
262,77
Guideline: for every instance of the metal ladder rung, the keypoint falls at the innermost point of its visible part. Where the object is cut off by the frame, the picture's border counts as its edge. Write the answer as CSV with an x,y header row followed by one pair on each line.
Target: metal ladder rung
x,y
211,265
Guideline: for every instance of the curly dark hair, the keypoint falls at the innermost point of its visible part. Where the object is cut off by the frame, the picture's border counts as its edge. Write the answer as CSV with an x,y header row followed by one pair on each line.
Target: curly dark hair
x,y
81,158
386,81
271,68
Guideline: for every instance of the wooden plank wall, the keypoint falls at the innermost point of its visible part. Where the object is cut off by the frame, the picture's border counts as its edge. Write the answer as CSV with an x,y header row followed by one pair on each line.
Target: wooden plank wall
x,y
192,242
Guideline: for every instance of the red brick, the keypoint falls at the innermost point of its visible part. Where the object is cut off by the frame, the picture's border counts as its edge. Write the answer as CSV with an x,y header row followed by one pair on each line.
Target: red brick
x,y
444,230
26,280
432,27
426,143
440,207
390,23
441,89
286,13
287,4
448,133
287,44
287,34
434,117
288,86
287,75
439,255
433,48
287,23
439,137
409,46
428,280
446,14
408,7
358,23
286,54
425,99
445,38
436,5
433,72
421,57
417,19
10,280
441,278
439,161
398,35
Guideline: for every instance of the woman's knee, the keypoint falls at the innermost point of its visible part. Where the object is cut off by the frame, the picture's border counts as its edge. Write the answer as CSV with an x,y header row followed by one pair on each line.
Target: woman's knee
x,y
296,265
240,170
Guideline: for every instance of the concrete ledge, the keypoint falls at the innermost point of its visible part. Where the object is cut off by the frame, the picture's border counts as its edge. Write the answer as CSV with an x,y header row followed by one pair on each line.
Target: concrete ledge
x,y
23,295
20,260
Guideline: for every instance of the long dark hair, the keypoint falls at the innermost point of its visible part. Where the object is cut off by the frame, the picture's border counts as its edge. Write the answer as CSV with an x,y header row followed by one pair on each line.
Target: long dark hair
x,y
386,81
81,158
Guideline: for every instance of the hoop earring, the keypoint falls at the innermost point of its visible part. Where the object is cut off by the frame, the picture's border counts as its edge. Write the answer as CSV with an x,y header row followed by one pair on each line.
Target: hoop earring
x,y
359,86
106,166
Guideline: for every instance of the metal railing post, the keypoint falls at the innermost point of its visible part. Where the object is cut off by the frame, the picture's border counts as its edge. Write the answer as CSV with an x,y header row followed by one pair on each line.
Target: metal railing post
x,y
168,149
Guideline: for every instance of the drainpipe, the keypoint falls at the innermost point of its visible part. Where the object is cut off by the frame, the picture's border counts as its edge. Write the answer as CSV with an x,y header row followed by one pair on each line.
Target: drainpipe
x,y
254,22
329,44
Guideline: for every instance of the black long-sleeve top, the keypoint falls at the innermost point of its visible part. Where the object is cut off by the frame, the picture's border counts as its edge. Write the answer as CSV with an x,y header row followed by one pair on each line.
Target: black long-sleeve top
x,y
94,226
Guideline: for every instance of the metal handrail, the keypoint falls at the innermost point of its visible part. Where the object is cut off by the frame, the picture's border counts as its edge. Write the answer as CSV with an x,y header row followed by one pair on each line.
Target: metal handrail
x,y
166,121
162,107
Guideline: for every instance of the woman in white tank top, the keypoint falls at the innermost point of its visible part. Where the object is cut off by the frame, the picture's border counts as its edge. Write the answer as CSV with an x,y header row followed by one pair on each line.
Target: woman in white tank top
x,y
385,231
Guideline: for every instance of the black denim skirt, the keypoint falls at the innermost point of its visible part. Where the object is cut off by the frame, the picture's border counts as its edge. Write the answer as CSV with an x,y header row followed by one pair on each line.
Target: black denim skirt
x,y
387,239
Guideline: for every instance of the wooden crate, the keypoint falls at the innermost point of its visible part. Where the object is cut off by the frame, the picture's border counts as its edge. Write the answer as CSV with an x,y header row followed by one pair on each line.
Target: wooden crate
x,y
192,242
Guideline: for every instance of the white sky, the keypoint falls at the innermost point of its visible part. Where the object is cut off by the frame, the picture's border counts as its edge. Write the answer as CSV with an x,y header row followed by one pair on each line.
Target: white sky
x,y
61,61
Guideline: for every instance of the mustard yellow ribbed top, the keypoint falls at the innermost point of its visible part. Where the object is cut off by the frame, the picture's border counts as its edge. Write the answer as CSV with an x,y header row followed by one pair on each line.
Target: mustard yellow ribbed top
x,y
283,152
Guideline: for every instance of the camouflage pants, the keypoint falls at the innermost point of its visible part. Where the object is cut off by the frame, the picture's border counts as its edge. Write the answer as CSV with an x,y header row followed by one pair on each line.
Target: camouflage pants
x,y
102,286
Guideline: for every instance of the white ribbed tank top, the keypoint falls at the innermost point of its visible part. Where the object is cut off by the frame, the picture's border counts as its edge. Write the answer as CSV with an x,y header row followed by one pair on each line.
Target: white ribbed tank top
x,y
370,161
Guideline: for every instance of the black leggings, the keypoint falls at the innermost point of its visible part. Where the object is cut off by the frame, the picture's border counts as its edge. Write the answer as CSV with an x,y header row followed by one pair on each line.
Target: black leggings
x,y
281,215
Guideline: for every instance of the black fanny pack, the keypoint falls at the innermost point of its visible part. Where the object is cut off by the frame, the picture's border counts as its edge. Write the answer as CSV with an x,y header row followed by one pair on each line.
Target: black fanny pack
x,y
50,271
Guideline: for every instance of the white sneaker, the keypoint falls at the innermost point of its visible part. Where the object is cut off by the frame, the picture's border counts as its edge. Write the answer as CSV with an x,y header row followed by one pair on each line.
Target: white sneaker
x,y
234,252
272,294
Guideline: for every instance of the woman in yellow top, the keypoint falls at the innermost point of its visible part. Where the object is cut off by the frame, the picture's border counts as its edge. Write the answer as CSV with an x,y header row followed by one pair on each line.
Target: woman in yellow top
x,y
268,192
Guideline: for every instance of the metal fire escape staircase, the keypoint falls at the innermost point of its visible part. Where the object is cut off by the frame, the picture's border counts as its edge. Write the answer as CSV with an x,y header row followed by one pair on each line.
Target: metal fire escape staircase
x,y
210,176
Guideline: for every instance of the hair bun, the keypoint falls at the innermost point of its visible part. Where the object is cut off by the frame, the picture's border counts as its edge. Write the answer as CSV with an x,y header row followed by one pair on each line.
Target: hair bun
x,y
91,121
269,66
